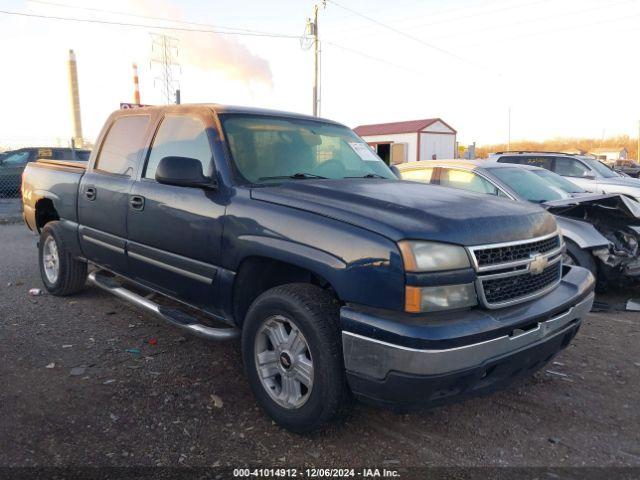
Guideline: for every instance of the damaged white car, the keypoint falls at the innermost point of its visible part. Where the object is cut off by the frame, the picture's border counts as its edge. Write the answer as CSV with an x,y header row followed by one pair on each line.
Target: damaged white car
x,y
616,226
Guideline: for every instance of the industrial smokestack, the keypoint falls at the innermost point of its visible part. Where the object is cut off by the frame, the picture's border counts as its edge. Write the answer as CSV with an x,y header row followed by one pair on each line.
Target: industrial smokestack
x,y
136,86
75,100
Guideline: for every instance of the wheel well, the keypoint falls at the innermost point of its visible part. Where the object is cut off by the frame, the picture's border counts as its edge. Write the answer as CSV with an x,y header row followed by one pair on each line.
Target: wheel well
x,y
45,213
258,274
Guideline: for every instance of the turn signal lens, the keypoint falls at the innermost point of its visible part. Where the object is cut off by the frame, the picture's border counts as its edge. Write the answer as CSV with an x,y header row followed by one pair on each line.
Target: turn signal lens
x,y
434,299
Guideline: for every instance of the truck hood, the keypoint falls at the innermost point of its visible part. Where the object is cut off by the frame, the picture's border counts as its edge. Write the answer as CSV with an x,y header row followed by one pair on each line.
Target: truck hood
x,y
408,210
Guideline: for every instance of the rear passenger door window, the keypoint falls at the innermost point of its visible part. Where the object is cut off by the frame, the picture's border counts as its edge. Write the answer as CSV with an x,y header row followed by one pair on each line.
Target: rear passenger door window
x,y
179,136
570,167
123,145
466,180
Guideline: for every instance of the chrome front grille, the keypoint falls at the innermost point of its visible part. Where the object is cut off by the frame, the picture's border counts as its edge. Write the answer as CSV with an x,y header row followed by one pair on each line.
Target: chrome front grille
x,y
514,272
512,253
504,289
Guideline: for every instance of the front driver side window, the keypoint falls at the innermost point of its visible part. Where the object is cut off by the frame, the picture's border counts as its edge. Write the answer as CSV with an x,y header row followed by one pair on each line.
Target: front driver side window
x,y
179,136
569,167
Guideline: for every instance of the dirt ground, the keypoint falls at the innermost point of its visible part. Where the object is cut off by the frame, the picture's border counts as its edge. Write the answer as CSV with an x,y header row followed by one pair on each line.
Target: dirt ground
x,y
75,391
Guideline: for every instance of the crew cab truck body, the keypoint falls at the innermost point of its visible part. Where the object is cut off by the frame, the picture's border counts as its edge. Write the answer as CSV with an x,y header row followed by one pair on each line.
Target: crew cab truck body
x,y
340,278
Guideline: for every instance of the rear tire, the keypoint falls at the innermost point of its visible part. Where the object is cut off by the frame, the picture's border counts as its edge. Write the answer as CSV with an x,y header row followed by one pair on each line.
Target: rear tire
x,y
292,353
61,273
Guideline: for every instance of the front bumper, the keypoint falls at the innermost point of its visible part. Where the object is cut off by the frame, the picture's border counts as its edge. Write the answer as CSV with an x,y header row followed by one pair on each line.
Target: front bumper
x,y
426,360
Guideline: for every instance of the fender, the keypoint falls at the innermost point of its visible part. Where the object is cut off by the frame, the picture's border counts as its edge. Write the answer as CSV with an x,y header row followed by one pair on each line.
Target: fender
x,y
321,263
362,266
30,199
581,233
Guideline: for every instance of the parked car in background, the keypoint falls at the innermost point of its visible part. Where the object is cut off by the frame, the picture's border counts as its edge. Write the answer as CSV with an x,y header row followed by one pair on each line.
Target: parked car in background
x,y
339,278
12,163
602,232
586,172
628,167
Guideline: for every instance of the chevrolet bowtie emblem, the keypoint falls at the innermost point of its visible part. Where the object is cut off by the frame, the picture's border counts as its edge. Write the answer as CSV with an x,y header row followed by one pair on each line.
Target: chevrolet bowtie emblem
x,y
538,263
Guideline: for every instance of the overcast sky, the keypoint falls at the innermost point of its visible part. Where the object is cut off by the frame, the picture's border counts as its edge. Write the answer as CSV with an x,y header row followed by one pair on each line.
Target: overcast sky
x,y
565,67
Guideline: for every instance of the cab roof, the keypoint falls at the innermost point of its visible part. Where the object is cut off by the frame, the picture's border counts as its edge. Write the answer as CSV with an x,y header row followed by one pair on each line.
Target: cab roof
x,y
221,109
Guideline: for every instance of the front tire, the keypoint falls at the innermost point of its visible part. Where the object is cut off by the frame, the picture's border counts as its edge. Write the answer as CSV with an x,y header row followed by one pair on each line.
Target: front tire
x,y
292,353
61,273
582,258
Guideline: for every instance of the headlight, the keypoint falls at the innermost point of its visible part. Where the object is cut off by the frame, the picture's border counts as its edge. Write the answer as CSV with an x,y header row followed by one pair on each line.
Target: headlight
x,y
445,297
428,257
432,257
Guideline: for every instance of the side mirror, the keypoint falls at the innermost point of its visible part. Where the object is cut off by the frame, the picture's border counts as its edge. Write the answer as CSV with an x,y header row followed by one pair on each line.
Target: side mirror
x,y
183,172
395,171
589,176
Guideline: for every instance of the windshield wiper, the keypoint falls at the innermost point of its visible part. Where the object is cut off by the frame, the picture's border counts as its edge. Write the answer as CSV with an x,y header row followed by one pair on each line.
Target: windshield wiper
x,y
368,175
295,176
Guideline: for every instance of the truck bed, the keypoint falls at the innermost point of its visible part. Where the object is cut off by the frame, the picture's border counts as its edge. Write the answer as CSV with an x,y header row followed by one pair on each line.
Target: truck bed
x,y
56,180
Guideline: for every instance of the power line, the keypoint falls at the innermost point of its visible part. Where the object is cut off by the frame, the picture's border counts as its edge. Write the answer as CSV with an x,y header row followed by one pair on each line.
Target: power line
x,y
128,14
139,25
539,19
404,34
465,17
479,14
431,14
560,30
374,58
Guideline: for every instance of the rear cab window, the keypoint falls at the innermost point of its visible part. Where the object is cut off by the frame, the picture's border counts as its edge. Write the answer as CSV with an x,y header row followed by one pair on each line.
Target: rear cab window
x,y
123,145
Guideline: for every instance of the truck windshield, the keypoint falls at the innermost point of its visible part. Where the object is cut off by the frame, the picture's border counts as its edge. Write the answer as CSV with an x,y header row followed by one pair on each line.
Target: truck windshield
x,y
267,149
528,185
559,181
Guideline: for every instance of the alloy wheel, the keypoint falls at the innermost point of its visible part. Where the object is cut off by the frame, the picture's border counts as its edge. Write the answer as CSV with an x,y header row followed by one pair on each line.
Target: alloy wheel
x,y
284,362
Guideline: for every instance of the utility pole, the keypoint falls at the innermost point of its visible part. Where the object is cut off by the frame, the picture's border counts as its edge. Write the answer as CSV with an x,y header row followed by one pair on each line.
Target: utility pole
x,y
316,52
310,38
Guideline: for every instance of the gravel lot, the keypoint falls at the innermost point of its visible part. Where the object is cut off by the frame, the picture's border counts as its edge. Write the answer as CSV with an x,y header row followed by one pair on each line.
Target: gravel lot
x,y
73,395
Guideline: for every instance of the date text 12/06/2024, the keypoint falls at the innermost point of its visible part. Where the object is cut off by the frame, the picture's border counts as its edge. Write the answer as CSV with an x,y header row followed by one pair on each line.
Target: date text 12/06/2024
x,y
315,473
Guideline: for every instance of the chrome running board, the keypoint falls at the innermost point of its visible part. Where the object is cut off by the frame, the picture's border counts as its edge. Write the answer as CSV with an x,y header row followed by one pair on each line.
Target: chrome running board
x,y
172,316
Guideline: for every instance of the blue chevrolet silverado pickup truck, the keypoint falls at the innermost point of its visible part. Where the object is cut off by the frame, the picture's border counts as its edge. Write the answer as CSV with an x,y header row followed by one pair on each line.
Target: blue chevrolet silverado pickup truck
x,y
287,230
